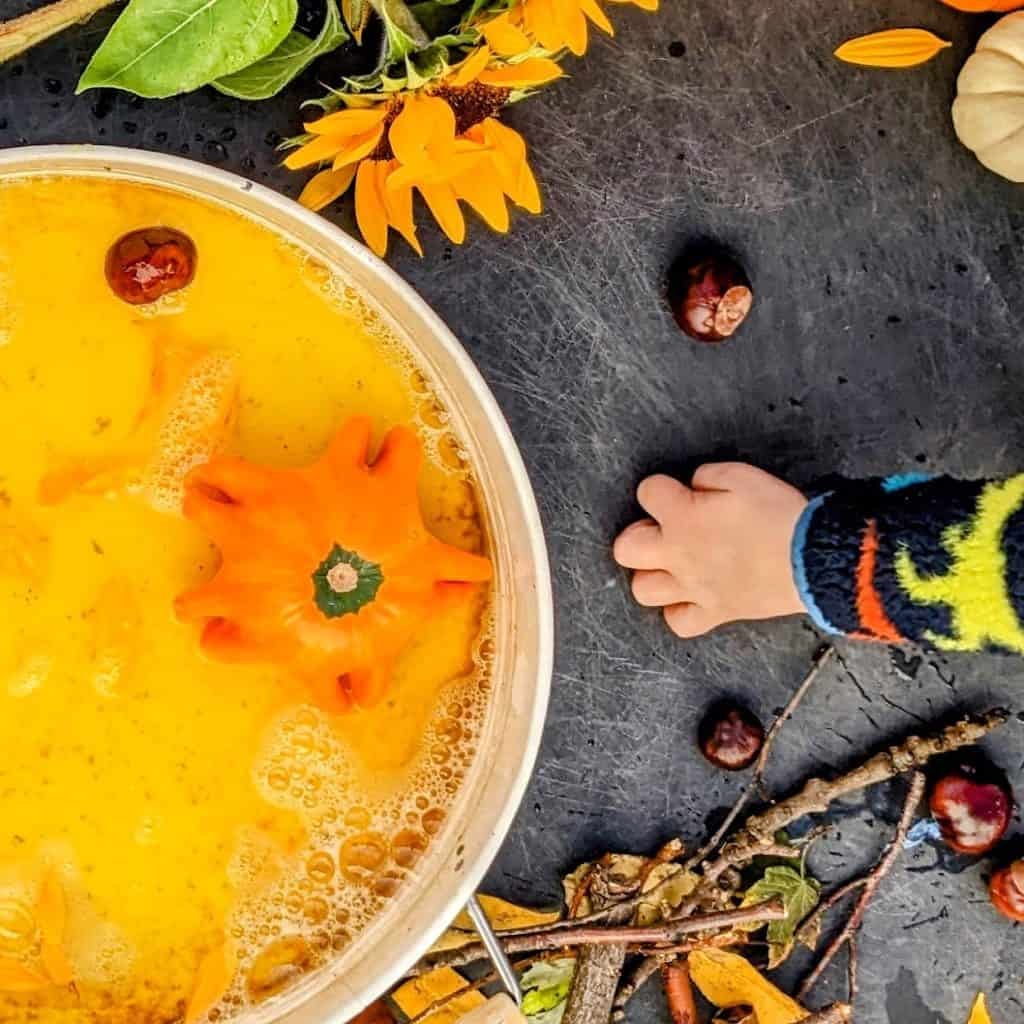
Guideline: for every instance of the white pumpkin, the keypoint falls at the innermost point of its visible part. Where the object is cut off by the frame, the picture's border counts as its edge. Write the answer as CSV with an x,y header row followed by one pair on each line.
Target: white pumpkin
x,y
988,113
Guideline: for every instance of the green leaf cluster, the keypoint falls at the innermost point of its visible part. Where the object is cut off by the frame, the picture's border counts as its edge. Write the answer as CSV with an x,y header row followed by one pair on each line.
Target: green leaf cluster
x,y
251,49
799,894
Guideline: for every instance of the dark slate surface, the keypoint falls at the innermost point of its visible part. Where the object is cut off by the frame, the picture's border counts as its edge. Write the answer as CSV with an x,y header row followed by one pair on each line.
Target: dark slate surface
x,y
886,336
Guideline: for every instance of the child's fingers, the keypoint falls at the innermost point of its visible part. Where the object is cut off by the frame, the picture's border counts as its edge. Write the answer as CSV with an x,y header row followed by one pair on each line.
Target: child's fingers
x,y
663,497
690,620
653,589
639,546
716,476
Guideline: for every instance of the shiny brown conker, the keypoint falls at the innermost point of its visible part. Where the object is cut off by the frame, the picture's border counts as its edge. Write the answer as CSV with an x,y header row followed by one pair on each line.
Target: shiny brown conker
x,y
711,297
144,265
1006,890
730,736
972,804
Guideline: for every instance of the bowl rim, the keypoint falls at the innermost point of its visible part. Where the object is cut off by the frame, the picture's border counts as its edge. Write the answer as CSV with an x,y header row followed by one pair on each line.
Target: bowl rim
x,y
57,160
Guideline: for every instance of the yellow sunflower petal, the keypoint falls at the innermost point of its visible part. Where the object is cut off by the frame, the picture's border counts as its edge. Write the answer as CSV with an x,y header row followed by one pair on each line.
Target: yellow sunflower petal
x,y
647,5
445,208
321,148
541,22
371,214
527,73
509,155
322,189
504,38
467,72
574,26
423,122
592,9
348,122
483,192
398,204
355,149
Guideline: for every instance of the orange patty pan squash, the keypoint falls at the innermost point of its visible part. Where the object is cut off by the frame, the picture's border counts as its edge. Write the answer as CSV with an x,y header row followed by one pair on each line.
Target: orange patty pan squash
x,y
326,571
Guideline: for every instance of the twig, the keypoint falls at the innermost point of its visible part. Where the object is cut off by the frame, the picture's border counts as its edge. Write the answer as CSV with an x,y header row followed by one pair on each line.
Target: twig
x,y
756,780
665,933
814,798
837,1013
638,977
675,978
21,34
878,872
851,970
811,924
593,984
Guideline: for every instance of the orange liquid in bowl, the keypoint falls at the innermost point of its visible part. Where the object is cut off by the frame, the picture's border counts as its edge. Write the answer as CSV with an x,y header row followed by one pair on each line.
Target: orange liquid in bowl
x,y
183,804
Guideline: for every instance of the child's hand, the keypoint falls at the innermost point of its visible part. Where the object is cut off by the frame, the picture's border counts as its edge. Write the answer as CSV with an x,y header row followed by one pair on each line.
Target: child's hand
x,y
716,551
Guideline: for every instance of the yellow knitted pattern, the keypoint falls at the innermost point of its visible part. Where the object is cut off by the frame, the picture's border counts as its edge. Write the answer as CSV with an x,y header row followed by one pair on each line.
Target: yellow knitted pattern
x,y
974,588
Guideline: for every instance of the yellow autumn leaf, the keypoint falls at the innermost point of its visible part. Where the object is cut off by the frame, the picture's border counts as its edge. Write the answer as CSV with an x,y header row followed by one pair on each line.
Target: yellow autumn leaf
x,y
894,48
727,979
415,996
213,977
51,915
504,916
979,1012
18,977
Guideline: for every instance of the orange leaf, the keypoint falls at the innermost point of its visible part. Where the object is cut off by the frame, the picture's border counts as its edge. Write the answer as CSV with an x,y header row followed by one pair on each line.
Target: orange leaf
x,y
51,914
16,977
213,977
895,48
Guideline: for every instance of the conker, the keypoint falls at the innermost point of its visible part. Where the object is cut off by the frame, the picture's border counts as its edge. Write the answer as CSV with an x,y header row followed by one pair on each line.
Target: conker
x,y
146,264
712,298
972,803
1006,890
730,736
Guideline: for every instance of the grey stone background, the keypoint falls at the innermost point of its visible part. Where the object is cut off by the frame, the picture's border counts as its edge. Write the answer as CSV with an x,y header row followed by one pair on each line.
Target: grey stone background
x,y
885,337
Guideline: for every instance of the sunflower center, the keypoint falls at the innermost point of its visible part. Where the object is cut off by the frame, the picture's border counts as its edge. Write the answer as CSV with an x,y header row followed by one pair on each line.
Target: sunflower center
x,y
470,104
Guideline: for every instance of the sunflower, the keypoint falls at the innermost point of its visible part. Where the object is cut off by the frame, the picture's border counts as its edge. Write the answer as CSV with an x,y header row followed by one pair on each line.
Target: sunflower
x,y
444,141
550,24
417,124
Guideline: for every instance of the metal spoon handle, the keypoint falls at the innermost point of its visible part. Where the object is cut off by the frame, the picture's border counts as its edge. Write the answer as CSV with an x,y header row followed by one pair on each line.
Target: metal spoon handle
x,y
493,946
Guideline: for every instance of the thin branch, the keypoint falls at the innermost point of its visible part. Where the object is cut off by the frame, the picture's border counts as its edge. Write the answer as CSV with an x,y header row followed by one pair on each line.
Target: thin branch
x,y
665,933
837,1013
756,780
851,970
812,923
21,34
877,873
814,798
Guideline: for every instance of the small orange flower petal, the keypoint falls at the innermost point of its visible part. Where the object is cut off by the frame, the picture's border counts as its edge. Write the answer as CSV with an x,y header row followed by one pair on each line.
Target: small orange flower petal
x,y
574,27
371,214
483,192
467,72
355,149
509,156
348,122
445,208
322,189
398,204
527,73
317,151
541,22
423,123
504,38
592,9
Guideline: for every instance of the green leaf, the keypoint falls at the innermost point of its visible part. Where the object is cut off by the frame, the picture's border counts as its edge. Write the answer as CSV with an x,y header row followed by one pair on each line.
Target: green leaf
x,y
160,48
799,894
267,77
404,34
546,987
356,14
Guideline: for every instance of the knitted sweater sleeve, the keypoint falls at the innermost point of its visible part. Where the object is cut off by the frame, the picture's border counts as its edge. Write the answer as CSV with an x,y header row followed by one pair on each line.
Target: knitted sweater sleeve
x,y
933,560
